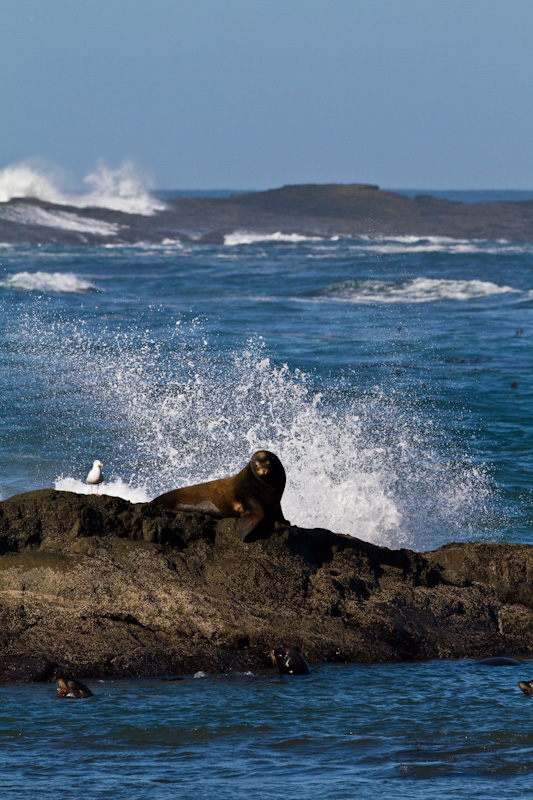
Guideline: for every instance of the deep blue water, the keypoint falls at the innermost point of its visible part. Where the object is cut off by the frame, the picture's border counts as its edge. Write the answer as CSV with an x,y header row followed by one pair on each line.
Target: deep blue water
x,y
392,377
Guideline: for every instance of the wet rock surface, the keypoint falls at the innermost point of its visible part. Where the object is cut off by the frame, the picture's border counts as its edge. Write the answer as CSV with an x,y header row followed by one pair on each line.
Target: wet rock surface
x,y
99,587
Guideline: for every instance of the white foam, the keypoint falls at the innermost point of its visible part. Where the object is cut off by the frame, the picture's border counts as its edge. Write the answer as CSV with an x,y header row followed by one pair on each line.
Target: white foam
x,y
116,488
392,245
244,237
62,220
387,245
120,189
416,290
22,180
364,464
46,282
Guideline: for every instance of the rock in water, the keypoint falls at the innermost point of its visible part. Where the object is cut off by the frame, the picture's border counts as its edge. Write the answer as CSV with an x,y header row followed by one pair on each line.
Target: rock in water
x,y
105,588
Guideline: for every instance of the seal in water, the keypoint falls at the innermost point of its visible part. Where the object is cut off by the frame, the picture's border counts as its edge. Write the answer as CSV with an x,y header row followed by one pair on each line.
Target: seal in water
x,y
72,688
289,661
499,661
526,686
254,494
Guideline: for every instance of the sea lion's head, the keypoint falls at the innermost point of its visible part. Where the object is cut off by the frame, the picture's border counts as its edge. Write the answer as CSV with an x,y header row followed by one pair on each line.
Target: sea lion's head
x,y
72,688
289,661
276,656
267,467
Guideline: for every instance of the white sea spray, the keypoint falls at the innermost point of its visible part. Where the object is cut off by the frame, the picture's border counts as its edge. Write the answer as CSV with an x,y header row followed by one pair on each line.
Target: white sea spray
x,y
120,189
176,410
114,488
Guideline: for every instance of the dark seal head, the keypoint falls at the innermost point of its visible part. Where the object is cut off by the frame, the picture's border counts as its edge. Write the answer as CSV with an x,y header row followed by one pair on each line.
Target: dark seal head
x,y
72,688
253,494
527,687
289,661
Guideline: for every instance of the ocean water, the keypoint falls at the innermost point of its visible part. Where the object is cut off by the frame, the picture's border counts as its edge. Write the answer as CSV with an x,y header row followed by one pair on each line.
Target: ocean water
x,y
439,729
393,378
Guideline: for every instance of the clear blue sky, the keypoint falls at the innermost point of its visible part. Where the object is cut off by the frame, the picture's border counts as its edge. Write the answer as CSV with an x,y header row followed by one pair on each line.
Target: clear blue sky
x,y
254,94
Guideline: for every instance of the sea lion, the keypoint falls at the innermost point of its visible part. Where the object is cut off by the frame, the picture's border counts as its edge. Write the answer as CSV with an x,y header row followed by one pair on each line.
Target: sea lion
x,y
526,686
499,661
254,494
289,661
72,688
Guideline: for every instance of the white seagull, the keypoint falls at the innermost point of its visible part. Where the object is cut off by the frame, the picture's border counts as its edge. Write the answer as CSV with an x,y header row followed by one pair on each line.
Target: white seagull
x,y
95,476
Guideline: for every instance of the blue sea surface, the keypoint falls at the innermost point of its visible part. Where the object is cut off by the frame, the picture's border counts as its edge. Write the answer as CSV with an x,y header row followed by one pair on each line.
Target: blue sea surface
x,y
392,376
438,729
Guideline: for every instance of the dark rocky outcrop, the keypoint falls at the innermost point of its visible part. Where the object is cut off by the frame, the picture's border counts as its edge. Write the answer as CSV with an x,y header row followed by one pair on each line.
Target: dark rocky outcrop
x,y
95,586
310,209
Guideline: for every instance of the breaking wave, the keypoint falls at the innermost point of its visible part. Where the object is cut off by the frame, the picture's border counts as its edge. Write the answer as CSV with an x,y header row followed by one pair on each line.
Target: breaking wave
x,y
166,414
416,290
116,488
46,282
386,245
243,237
121,189
62,220
391,245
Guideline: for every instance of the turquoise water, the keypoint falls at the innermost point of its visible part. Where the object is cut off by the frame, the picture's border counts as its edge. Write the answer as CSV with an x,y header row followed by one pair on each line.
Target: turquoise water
x,y
392,377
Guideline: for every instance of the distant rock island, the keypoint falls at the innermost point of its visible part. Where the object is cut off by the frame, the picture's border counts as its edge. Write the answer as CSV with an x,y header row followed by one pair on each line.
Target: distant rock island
x,y
99,587
312,209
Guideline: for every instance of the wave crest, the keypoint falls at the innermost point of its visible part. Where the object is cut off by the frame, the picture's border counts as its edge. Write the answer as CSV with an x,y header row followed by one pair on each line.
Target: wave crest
x,y
416,290
47,282
393,245
244,237
62,220
121,189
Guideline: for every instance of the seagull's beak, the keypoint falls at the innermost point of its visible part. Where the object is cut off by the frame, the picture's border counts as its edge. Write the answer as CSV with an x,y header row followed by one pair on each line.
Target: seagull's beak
x,y
100,464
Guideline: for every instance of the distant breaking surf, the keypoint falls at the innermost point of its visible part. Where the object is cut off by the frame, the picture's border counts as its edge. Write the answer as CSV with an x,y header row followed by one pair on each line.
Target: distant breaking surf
x,y
417,290
120,189
59,220
244,237
47,282
117,208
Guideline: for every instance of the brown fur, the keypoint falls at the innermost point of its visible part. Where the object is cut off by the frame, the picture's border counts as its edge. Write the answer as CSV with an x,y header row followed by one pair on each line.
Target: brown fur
x,y
254,494
72,688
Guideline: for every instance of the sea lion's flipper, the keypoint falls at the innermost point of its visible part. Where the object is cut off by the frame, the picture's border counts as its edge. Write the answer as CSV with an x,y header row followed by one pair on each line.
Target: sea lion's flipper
x,y
249,522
